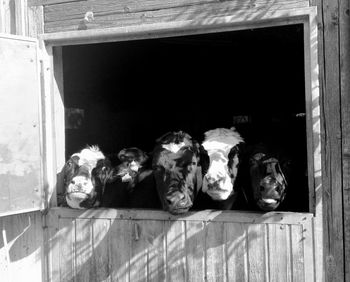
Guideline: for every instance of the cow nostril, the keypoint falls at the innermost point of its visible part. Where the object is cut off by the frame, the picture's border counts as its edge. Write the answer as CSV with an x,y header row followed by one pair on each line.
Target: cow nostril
x,y
73,182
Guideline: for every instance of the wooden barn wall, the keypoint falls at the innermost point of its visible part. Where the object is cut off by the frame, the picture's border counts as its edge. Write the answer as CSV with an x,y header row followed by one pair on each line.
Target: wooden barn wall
x,y
334,59
21,247
21,237
333,55
122,245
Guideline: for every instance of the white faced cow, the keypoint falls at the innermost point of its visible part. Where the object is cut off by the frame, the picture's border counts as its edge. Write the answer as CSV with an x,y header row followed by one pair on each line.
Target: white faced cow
x,y
85,174
222,147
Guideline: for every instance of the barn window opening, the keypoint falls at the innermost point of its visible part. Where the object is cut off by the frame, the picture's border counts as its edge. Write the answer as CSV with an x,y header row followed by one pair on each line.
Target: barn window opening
x,y
129,93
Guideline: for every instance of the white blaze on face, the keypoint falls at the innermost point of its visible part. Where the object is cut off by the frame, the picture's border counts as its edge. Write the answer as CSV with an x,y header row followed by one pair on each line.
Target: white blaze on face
x,y
217,183
88,158
173,147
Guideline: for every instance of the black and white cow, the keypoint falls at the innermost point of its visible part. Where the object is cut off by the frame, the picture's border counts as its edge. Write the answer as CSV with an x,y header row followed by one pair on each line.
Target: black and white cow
x,y
132,184
177,171
222,152
85,175
267,174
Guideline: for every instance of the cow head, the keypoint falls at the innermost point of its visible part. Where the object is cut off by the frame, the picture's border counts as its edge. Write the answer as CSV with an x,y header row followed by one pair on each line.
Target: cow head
x,y
268,181
85,174
222,147
132,160
176,170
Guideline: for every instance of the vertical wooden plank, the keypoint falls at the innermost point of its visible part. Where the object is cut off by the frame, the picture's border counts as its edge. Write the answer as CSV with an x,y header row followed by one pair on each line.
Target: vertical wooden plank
x,y
256,252
155,236
139,244
120,249
58,102
84,264
52,246
322,184
296,237
215,251
332,161
35,21
21,17
279,252
309,254
176,253
101,243
8,17
66,244
344,43
195,250
236,246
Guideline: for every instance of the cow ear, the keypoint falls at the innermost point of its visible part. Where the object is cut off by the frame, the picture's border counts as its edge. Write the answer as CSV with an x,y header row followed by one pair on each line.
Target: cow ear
x,y
143,157
163,137
121,155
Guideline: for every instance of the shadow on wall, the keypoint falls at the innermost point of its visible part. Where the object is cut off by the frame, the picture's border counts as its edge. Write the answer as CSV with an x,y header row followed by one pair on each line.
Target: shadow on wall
x,y
96,249
98,245
21,242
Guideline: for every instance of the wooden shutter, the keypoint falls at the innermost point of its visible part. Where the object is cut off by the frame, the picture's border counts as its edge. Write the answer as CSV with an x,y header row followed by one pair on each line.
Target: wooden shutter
x,y
20,141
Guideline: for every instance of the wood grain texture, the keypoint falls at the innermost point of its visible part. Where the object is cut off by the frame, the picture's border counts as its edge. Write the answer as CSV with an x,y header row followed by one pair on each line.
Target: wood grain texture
x,y
66,245
195,250
205,215
236,251
215,252
156,256
21,243
204,12
35,16
114,249
176,253
328,56
85,267
256,249
120,249
297,252
279,252
344,46
139,246
101,249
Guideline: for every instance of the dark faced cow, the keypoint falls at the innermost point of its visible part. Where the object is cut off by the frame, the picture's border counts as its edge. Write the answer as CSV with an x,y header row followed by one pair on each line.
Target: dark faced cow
x,y
133,184
177,172
222,146
85,174
268,184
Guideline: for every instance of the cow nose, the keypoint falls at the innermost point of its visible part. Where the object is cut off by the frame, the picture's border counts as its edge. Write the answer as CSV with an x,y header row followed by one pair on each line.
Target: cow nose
x,y
214,178
175,198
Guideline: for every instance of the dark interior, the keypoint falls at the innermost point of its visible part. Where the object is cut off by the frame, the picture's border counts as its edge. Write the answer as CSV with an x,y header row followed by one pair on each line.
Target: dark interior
x,y
133,92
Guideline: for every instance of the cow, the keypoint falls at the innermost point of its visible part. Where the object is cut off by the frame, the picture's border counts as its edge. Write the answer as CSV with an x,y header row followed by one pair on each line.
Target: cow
x,y
85,174
267,175
220,161
132,184
178,175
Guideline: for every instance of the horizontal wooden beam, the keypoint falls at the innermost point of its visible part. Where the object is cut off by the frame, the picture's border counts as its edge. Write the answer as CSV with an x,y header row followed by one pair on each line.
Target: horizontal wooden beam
x,y
206,215
177,28
50,2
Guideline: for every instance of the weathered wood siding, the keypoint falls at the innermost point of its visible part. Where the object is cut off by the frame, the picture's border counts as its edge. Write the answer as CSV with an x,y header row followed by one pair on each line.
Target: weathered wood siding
x,y
97,14
21,237
122,245
21,247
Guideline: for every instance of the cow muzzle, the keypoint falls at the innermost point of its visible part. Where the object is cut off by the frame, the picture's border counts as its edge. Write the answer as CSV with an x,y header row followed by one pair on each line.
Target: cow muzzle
x,y
178,202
